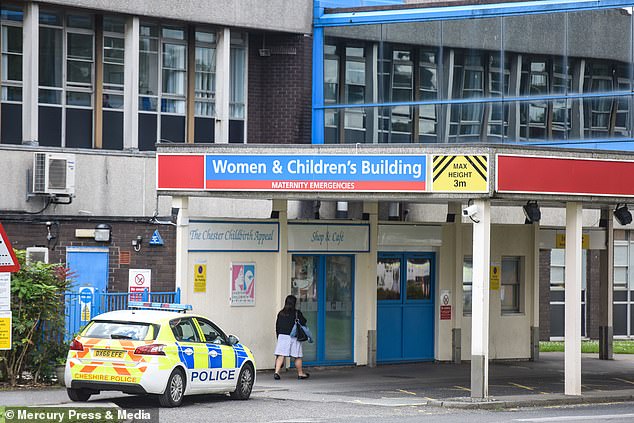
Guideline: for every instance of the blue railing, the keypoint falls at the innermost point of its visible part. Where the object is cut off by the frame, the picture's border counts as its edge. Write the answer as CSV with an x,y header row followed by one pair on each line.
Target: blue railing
x,y
79,309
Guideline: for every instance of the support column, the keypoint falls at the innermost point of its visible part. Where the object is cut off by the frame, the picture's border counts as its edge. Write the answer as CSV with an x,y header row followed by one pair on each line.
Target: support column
x,y
371,209
572,331
480,300
454,213
131,85
30,75
606,285
283,288
535,308
182,229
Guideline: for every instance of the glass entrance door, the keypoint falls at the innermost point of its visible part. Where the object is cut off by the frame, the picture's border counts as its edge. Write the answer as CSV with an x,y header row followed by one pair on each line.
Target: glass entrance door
x,y
324,286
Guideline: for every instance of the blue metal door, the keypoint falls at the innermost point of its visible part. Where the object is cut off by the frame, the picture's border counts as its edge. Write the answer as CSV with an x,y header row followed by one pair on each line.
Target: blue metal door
x,y
405,309
89,271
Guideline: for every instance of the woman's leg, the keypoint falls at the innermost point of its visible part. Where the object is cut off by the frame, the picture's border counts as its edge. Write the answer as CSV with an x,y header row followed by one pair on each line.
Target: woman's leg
x,y
279,361
298,365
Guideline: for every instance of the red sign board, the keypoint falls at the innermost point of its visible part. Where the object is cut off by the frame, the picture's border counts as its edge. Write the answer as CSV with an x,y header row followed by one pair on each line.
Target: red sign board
x,y
564,175
445,312
8,260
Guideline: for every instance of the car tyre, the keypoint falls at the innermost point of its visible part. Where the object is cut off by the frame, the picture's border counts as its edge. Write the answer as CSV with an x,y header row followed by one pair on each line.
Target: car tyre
x,y
245,383
174,391
78,394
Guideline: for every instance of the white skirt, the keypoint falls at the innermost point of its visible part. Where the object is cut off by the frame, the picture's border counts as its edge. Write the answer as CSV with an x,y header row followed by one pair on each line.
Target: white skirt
x,y
288,347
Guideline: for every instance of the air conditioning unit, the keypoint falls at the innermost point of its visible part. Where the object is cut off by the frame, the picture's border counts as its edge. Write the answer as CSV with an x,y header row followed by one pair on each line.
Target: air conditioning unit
x,y
34,254
54,173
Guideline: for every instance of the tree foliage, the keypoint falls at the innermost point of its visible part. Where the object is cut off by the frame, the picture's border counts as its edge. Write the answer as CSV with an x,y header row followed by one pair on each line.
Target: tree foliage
x,y
37,303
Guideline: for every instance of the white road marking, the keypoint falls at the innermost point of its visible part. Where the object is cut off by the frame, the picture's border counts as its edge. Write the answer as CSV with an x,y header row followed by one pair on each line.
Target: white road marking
x,y
603,417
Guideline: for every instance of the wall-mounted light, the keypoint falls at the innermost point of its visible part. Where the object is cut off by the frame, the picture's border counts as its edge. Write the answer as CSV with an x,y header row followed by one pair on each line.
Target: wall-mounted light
x,y
532,212
102,232
622,214
136,243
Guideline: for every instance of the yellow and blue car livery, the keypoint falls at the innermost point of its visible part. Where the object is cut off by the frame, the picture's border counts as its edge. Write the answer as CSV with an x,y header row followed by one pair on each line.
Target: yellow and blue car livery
x,y
163,353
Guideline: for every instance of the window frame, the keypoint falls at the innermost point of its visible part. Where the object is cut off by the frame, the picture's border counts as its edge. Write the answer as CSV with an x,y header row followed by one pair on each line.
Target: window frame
x,y
5,83
517,284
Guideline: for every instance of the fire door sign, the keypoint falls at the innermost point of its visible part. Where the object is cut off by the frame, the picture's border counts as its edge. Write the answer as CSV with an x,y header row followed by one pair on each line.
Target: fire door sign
x,y
445,304
139,280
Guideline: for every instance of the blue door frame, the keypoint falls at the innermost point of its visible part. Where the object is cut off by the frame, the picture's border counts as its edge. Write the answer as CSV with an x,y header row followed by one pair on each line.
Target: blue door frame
x,y
405,327
320,334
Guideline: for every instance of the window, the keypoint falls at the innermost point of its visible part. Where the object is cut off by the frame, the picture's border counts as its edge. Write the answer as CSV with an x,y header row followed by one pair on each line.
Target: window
x,y
237,85
510,289
557,268
66,79
11,71
113,62
11,38
212,334
428,90
467,285
205,87
237,72
162,84
388,278
121,330
184,330
498,85
468,80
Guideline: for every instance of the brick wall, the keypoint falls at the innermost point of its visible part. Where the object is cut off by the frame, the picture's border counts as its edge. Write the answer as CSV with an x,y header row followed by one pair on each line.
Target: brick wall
x,y
280,98
160,259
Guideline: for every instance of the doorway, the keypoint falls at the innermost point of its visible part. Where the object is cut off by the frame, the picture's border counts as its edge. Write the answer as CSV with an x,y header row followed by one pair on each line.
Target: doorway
x,y
405,309
324,287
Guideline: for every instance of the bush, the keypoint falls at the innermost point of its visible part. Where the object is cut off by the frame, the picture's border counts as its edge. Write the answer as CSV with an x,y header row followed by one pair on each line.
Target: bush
x,y
37,303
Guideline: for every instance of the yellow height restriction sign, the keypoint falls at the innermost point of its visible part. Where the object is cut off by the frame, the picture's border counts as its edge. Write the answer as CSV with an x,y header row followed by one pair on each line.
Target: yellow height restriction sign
x,y
460,173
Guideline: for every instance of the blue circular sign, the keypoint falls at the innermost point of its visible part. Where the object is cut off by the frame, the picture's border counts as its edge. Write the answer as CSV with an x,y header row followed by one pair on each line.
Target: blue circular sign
x,y
85,295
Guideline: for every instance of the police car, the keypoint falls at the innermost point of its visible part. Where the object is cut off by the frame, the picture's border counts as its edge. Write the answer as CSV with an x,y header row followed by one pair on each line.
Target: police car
x,y
151,350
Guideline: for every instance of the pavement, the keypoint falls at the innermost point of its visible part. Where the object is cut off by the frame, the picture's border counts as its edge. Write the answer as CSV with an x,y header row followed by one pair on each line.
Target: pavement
x,y
512,384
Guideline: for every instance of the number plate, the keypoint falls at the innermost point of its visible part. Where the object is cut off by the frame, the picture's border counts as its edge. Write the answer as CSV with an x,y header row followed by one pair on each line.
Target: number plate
x,y
108,353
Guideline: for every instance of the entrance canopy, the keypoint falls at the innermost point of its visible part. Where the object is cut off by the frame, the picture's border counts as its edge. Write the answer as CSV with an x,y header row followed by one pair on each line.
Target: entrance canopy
x,y
414,173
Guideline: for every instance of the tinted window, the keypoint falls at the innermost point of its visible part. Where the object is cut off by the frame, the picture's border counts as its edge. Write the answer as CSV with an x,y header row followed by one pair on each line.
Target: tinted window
x,y
212,334
184,330
121,330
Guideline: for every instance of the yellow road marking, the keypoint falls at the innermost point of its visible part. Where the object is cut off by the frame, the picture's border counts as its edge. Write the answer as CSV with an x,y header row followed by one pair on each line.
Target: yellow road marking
x,y
406,392
521,386
462,388
624,380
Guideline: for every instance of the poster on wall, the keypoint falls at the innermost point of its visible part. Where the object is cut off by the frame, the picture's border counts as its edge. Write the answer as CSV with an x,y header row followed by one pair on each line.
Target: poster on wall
x,y
200,277
242,284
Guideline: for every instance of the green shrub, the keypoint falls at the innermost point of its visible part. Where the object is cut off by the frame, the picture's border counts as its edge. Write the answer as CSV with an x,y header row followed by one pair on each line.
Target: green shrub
x,y
37,303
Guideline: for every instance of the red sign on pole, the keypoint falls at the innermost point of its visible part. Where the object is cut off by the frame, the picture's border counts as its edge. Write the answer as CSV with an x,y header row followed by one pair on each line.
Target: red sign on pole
x,y
8,260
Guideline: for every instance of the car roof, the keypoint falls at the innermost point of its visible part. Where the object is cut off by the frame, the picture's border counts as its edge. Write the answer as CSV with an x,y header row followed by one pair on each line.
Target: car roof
x,y
142,316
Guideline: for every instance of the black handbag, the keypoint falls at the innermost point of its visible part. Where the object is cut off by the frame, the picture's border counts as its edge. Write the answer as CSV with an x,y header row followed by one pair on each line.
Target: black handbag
x,y
299,330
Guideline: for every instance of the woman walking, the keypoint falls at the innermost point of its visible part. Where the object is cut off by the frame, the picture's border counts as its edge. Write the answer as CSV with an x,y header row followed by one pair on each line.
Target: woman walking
x,y
286,345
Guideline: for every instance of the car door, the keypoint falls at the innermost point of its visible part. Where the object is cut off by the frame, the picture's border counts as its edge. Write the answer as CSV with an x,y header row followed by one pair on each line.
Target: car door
x,y
192,351
223,371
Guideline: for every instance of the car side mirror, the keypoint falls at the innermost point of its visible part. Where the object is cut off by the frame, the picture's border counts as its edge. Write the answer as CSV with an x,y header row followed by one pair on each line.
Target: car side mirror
x,y
233,340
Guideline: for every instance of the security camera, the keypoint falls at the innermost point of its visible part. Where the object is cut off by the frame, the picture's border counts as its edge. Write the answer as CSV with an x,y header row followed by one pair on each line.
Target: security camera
x,y
470,211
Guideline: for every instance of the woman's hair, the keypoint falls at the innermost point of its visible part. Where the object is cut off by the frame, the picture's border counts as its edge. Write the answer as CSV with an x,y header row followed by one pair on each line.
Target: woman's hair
x,y
289,304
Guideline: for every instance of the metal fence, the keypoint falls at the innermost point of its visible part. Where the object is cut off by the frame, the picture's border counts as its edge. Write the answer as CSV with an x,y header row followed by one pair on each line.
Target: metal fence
x,y
80,307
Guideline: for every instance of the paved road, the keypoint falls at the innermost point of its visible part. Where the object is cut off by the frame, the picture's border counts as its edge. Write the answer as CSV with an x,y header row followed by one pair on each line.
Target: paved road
x,y
403,393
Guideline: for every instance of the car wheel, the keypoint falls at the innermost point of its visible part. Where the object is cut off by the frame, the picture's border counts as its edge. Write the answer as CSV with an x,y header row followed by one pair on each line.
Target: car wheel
x,y
175,390
78,394
245,383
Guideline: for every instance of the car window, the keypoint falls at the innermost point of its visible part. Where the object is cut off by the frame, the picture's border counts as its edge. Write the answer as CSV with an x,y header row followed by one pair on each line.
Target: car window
x,y
120,330
184,330
213,335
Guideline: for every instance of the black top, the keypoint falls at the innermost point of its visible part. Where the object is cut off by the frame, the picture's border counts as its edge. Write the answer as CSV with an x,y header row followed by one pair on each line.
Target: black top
x,y
284,323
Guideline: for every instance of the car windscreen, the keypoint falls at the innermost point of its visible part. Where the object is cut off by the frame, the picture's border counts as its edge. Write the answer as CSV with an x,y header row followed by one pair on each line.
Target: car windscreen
x,y
134,331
